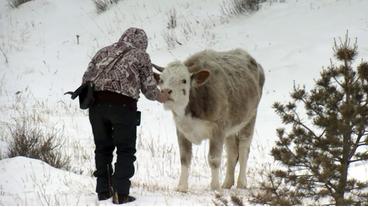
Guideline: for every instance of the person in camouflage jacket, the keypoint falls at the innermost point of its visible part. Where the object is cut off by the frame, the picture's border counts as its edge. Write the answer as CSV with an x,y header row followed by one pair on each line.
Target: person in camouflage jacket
x,y
119,72
131,73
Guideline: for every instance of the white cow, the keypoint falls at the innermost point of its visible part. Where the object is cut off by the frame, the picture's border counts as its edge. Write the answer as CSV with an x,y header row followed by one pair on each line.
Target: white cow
x,y
214,95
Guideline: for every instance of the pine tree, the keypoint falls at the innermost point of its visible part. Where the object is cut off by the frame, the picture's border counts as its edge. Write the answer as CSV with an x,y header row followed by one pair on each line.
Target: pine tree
x,y
317,149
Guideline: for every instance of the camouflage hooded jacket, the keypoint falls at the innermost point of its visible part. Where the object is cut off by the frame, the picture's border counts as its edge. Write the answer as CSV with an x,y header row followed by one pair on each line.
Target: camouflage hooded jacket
x,y
132,73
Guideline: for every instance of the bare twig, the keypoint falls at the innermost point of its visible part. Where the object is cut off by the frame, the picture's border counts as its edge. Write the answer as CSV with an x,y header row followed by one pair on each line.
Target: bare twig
x,y
6,58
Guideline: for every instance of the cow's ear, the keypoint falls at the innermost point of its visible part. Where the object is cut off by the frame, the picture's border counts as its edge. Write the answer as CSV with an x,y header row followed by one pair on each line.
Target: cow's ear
x,y
157,77
200,78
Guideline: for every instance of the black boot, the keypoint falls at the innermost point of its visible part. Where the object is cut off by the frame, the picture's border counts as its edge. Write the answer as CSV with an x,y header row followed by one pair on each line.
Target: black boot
x,y
121,198
104,196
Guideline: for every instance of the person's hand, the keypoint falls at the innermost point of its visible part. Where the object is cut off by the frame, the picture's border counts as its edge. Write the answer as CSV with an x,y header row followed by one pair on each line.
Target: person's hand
x,y
163,96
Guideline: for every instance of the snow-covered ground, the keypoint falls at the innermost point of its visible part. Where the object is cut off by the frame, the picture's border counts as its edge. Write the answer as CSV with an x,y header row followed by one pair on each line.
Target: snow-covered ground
x,y
40,60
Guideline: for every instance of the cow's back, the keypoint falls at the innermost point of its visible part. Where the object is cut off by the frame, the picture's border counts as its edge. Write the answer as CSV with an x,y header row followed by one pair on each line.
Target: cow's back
x,y
233,90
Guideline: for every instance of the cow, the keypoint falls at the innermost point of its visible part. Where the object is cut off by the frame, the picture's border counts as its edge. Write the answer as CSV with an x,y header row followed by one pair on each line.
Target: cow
x,y
214,95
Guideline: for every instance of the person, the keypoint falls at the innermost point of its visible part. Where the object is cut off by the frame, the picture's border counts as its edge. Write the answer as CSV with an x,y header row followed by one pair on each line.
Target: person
x,y
123,69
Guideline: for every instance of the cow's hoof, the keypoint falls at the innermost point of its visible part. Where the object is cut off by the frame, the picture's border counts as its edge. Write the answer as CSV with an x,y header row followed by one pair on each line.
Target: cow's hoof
x,y
227,185
215,186
182,189
241,185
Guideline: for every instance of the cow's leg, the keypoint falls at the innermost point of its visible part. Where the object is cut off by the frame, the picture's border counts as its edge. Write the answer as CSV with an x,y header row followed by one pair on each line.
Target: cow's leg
x,y
185,148
245,139
214,160
232,151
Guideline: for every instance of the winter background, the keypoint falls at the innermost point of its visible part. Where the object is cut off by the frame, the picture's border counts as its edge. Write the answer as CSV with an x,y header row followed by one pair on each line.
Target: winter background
x,y
40,59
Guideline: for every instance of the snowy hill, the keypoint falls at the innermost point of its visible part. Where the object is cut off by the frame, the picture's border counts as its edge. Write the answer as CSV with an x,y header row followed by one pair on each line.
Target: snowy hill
x,y
32,182
41,59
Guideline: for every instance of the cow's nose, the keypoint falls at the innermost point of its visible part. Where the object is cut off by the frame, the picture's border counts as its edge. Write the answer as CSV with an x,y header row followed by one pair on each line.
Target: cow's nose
x,y
168,91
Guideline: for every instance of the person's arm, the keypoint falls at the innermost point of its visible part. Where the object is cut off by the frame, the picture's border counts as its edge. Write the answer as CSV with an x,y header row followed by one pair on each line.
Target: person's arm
x,y
148,82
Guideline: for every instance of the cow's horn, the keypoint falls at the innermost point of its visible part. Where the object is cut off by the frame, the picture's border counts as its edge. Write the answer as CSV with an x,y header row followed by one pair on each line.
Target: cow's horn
x,y
159,68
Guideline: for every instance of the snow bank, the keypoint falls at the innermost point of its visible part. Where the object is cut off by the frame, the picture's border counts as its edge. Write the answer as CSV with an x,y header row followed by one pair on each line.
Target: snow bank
x,y
26,181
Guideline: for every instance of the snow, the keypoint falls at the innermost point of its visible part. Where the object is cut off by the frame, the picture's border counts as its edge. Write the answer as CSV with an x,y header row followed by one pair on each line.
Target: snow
x,y
28,181
291,40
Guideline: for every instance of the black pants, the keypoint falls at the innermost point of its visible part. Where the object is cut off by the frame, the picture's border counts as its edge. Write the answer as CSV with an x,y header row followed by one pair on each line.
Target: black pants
x,y
114,126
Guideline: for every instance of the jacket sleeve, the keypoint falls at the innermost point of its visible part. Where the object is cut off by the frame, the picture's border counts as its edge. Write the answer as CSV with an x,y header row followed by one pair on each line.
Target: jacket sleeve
x,y
91,69
148,82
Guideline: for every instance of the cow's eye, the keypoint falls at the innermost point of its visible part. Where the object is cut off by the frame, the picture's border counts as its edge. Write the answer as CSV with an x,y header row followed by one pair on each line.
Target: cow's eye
x,y
184,81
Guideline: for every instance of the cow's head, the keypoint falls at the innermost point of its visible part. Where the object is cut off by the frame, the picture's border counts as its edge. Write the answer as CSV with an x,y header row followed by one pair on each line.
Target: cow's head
x,y
177,80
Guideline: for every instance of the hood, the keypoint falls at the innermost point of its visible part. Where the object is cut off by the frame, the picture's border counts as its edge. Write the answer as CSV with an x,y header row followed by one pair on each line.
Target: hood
x,y
135,37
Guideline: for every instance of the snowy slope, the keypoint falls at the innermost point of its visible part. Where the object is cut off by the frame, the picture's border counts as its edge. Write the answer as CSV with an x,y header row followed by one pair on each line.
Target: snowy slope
x,y
32,182
291,40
